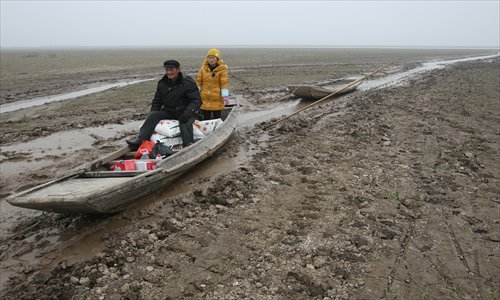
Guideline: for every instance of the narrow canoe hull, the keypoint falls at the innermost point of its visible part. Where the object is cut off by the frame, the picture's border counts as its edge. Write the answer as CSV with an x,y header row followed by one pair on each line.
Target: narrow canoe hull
x,y
312,92
91,190
104,195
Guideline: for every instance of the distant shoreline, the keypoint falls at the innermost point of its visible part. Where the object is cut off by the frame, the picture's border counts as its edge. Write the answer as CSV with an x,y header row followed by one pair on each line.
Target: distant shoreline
x,y
79,48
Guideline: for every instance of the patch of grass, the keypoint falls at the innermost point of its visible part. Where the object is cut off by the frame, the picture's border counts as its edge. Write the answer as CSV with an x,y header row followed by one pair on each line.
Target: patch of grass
x,y
425,295
231,261
376,255
79,295
493,294
394,197
457,291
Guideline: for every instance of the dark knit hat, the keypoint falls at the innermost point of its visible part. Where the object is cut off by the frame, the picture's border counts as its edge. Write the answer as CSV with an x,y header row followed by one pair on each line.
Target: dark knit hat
x,y
171,63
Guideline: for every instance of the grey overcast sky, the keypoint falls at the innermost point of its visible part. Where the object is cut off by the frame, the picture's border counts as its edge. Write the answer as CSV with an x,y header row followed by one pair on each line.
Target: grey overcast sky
x,y
254,23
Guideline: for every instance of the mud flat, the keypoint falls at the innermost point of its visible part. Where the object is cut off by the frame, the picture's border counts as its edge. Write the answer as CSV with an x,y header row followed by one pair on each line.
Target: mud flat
x,y
389,193
28,74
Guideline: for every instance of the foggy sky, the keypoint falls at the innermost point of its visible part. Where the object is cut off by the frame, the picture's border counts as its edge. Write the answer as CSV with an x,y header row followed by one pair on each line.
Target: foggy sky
x,y
253,23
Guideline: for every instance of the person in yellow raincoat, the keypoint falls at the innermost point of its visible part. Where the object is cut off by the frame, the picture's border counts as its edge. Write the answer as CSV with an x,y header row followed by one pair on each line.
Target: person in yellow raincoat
x,y
212,80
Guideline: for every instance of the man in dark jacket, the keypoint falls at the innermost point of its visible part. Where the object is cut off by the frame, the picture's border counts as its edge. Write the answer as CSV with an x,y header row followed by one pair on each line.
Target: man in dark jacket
x,y
177,98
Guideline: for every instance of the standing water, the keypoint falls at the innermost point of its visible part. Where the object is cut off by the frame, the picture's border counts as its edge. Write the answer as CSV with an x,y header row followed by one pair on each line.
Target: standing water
x,y
4,108
397,79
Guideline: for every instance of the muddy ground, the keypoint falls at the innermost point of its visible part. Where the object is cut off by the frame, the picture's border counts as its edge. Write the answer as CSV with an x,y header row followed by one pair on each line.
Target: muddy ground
x,y
383,194
27,74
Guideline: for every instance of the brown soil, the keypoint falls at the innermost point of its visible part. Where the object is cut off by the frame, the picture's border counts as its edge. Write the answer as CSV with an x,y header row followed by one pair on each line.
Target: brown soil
x,y
385,194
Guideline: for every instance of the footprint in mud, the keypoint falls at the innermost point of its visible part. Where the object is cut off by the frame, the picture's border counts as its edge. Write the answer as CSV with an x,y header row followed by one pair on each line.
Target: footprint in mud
x,y
39,176
97,138
50,156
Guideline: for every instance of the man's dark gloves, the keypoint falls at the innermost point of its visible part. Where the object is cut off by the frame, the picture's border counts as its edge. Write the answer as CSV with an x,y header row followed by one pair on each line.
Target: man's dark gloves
x,y
186,116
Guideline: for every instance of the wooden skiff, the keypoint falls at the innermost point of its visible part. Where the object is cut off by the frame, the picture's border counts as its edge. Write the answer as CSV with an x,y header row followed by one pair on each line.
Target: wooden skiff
x,y
312,92
93,189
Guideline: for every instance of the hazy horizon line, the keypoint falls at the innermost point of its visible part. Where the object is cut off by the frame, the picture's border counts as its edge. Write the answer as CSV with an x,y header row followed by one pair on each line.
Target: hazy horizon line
x,y
263,46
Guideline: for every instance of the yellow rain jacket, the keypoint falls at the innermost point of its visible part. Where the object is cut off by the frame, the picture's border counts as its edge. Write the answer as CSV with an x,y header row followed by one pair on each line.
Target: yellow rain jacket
x,y
213,85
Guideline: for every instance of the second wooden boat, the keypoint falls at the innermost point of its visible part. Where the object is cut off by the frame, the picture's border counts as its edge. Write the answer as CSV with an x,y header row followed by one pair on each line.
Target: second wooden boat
x,y
314,92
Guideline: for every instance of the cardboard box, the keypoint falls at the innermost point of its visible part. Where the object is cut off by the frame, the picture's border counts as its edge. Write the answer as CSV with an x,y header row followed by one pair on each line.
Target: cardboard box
x,y
129,165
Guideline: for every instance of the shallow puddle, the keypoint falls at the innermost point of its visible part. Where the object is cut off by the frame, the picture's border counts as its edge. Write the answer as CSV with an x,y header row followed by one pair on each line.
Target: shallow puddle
x,y
8,107
41,152
399,78
250,118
